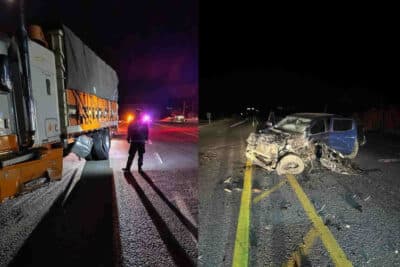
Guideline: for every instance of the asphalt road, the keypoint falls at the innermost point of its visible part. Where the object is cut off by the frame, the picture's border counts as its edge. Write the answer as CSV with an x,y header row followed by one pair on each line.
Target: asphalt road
x,y
158,209
251,217
99,216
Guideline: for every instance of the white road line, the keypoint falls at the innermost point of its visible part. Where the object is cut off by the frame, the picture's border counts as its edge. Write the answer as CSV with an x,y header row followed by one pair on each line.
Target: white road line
x,y
158,157
150,143
195,135
238,123
166,126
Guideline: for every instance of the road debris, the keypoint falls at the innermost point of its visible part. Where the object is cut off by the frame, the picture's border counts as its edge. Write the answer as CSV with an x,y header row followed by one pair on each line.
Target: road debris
x,y
336,161
285,205
228,180
228,190
321,209
367,198
209,155
331,220
351,200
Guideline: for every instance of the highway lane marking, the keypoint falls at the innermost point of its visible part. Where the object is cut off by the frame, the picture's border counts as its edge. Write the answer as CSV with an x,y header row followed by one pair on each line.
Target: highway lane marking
x,y
241,249
269,191
238,123
195,135
158,157
336,253
309,240
165,126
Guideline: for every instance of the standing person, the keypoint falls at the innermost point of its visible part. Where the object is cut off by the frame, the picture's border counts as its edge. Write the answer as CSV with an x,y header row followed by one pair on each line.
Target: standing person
x,y
138,134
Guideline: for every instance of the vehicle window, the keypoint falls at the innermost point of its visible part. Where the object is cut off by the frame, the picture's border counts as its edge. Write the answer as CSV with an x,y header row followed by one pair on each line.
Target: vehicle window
x,y
328,124
293,124
342,125
318,127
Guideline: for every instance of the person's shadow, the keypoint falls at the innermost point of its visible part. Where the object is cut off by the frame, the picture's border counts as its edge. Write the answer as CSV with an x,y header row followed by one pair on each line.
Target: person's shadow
x,y
176,251
187,223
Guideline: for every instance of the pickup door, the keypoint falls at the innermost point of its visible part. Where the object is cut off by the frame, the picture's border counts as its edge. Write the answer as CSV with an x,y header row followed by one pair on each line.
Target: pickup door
x,y
342,136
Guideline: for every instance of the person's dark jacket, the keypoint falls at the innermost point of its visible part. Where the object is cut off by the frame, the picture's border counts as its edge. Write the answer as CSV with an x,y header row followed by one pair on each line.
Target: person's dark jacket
x,y
138,132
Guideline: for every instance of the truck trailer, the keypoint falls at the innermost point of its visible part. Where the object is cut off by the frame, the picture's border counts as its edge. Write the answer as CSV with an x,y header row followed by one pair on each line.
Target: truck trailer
x,y
56,96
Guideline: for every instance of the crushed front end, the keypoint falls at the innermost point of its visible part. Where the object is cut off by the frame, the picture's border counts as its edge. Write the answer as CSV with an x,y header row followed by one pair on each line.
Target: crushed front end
x,y
268,149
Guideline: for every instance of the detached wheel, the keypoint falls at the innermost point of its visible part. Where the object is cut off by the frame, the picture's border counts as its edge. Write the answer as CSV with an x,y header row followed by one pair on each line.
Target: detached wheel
x,y
353,153
290,164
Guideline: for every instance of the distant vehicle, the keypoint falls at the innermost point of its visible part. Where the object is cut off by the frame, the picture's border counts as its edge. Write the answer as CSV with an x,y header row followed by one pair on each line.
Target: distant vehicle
x,y
179,118
298,139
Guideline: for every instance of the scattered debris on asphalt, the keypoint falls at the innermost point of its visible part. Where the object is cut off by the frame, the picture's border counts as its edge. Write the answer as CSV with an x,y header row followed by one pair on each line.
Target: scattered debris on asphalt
x,y
228,190
285,205
351,200
228,180
367,198
207,155
331,220
321,209
233,184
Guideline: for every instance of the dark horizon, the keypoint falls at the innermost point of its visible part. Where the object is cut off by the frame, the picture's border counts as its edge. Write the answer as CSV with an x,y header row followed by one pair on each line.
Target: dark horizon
x,y
281,56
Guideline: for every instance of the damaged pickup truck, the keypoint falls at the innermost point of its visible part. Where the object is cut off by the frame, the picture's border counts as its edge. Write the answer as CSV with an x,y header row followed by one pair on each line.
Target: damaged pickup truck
x,y
299,140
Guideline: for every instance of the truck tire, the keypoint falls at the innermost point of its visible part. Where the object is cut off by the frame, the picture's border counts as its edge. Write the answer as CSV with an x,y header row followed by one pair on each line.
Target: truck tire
x,y
353,153
101,145
107,140
290,164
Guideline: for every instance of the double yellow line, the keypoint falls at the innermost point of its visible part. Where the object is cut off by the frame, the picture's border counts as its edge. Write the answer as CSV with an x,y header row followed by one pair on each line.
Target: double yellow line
x,y
241,249
335,251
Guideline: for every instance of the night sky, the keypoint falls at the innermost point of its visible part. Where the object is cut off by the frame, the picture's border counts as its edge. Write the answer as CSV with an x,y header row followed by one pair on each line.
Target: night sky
x,y
153,45
308,56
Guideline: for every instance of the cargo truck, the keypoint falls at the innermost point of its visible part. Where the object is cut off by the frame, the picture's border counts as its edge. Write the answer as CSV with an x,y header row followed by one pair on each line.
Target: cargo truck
x,y
56,96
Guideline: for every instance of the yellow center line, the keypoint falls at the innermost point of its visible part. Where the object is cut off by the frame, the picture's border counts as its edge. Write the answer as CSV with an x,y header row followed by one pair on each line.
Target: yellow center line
x,y
268,192
309,240
336,253
241,249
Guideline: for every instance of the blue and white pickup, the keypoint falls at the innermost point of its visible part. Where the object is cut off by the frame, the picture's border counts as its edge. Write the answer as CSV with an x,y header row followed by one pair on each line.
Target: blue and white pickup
x,y
301,138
